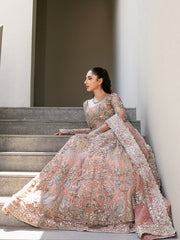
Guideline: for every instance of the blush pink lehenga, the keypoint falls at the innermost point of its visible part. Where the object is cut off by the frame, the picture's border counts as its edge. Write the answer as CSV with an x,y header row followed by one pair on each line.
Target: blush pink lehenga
x,y
102,181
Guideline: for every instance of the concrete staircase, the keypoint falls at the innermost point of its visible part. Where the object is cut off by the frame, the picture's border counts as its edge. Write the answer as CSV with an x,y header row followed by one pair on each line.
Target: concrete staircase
x,y
27,144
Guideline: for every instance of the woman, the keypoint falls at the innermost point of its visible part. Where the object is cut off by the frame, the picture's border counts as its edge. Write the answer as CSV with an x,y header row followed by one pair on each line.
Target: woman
x,y
104,179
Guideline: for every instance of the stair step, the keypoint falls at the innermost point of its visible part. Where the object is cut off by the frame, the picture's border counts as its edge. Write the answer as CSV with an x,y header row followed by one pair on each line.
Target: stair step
x,y
12,182
27,233
52,113
36,126
24,161
32,143
35,143
42,127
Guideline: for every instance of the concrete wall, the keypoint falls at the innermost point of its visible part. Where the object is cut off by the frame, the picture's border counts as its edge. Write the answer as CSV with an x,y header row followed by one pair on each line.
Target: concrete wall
x,y
150,30
125,54
1,31
15,71
72,37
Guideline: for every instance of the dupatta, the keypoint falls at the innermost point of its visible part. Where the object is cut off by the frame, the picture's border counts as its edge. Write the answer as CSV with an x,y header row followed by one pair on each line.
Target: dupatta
x,y
152,211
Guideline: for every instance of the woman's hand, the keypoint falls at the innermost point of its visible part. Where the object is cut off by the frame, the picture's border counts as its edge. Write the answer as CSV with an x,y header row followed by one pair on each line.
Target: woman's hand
x,y
63,132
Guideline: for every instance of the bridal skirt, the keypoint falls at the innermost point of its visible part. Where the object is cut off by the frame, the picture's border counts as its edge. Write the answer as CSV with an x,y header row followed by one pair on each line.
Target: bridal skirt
x,y
104,182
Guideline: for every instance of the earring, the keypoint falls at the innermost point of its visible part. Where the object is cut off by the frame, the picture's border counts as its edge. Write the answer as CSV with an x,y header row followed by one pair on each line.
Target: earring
x,y
98,86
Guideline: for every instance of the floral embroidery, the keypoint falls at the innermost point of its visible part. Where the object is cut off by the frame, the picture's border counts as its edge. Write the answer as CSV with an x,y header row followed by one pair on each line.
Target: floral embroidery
x,y
154,199
97,182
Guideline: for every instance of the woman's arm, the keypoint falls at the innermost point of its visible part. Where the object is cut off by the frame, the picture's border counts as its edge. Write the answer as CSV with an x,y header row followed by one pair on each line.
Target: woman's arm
x,y
75,131
118,107
119,111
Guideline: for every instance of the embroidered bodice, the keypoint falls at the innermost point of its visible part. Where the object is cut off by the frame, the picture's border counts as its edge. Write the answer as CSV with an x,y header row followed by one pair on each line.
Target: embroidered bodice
x,y
97,114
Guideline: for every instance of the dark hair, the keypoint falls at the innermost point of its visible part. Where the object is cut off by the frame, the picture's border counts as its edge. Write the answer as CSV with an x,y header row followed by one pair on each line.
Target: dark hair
x,y
102,73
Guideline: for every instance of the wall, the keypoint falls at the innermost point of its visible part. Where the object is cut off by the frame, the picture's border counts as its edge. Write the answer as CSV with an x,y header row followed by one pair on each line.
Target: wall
x,y
69,41
1,31
155,41
72,37
15,71
125,54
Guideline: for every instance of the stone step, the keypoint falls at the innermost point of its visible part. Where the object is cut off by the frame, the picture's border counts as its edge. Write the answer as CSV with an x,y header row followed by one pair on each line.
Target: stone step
x,y
12,182
32,233
36,126
37,234
32,143
52,113
42,127
10,233
24,161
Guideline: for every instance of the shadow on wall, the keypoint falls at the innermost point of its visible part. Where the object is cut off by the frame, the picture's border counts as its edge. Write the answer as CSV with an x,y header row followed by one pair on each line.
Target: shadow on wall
x,y
1,31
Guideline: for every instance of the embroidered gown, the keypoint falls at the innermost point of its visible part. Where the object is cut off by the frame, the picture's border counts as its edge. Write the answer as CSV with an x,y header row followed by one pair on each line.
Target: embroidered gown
x,y
104,179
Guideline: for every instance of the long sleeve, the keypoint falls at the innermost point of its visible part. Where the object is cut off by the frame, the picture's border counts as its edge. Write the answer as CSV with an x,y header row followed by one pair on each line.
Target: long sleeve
x,y
118,107
119,111
78,130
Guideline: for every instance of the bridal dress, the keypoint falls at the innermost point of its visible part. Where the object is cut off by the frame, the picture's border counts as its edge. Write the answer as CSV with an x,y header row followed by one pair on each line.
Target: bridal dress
x,y
100,181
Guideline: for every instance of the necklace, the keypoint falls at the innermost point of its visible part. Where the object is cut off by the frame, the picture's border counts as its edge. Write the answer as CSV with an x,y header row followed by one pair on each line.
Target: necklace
x,y
99,99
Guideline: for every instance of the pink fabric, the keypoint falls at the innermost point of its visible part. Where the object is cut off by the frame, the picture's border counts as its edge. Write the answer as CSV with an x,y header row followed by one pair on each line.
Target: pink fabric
x,y
104,181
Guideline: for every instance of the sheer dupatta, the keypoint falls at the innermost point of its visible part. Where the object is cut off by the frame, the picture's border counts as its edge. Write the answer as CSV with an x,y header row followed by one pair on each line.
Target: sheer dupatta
x,y
152,211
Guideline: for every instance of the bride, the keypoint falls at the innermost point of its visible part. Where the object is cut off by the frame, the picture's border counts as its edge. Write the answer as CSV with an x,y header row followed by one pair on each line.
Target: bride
x,y
104,179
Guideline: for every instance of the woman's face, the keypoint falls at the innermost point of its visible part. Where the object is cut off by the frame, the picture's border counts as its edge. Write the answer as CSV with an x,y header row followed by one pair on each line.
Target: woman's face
x,y
91,81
